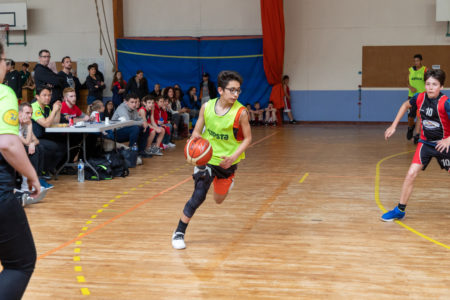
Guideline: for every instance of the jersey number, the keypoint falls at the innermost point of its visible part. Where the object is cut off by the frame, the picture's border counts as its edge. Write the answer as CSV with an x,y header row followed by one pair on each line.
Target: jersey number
x,y
429,111
445,162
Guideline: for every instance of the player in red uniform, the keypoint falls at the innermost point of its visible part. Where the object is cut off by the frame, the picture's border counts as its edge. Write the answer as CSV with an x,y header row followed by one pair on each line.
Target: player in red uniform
x,y
434,110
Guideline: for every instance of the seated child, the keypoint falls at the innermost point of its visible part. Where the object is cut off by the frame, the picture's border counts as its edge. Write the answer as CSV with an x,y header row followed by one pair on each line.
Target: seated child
x,y
95,108
258,114
271,115
146,113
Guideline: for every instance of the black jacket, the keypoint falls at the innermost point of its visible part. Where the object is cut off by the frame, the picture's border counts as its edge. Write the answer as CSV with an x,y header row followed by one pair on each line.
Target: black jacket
x,y
95,91
140,91
12,79
211,88
43,76
71,81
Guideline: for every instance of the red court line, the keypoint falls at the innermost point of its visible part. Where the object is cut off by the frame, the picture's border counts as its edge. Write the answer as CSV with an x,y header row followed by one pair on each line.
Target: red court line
x,y
50,252
263,139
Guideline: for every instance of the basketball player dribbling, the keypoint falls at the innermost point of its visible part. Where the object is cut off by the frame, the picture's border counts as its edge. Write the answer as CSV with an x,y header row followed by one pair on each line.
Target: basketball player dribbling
x,y
433,107
227,129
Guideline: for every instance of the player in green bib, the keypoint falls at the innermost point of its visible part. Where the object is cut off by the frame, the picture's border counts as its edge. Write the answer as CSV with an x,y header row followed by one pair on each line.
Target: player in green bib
x,y
225,124
17,249
416,84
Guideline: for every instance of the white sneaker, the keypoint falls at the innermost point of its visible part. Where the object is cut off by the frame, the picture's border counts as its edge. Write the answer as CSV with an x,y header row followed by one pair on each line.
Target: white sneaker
x,y
178,241
165,146
139,161
171,145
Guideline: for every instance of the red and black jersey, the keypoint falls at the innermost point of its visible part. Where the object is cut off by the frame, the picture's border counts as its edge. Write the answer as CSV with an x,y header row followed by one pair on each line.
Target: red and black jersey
x,y
434,114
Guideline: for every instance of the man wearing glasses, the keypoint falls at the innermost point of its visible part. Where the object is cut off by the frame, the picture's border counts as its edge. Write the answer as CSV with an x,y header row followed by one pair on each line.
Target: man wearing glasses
x,y
45,77
227,129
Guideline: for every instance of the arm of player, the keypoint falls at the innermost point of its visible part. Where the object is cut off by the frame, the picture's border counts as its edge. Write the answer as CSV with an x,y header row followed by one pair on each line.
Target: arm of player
x,y
143,116
200,123
13,151
401,112
247,132
53,118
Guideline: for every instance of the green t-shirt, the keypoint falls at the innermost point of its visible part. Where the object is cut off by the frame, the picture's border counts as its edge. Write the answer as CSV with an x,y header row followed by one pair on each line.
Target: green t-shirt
x,y
417,80
39,113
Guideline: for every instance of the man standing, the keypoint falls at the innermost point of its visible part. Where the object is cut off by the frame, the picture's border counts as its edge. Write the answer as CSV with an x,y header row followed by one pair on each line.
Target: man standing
x,y
416,84
24,74
66,73
12,79
138,85
207,89
45,77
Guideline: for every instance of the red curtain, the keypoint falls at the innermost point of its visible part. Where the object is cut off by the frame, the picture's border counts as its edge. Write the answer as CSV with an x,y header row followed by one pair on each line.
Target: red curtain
x,y
272,18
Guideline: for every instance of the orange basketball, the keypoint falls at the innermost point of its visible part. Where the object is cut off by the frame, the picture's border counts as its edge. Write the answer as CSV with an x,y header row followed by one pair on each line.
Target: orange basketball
x,y
198,151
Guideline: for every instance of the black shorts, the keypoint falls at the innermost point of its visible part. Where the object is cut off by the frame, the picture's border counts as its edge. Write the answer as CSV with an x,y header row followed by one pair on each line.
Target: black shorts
x,y
424,154
222,173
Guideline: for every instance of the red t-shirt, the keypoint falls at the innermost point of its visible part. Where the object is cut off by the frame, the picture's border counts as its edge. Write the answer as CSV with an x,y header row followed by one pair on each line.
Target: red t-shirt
x,y
158,114
148,116
73,112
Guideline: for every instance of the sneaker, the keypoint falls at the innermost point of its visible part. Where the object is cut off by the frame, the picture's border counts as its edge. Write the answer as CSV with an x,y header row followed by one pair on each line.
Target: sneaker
x,y
157,151
171,145
149,151
45,184
165,146
139,161
45,176
144,154
395,214
178,241
293,122
409,133
26,199
416,139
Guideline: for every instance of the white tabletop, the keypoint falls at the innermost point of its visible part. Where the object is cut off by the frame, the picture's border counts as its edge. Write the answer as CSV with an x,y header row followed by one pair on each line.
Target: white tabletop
x,y
93,127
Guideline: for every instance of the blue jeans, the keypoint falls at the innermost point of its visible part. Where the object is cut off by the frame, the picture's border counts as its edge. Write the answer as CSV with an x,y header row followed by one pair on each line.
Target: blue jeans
x,y
17,250
131,134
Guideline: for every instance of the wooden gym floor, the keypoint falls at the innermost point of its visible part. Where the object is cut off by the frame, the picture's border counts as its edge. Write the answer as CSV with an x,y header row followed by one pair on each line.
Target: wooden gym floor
x,y
302,222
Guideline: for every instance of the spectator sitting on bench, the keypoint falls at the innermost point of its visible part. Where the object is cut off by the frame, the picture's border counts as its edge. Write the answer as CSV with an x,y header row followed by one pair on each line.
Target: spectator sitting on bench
x,y
43,117
31,143
133,134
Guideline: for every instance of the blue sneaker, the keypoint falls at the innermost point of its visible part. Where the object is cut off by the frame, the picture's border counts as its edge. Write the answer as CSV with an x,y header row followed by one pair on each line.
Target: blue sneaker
x,y
45,184
395,214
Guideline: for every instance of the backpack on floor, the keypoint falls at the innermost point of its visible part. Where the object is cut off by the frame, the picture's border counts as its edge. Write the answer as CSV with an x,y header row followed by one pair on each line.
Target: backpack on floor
x,y
103,168
118,164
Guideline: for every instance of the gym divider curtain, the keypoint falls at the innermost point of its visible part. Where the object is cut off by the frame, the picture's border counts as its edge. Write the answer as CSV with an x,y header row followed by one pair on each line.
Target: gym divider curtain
x,y
272,18
182,60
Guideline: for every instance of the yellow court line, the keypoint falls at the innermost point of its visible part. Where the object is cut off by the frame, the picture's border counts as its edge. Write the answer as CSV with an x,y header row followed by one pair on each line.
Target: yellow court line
x,y
377,200
190,57
303,178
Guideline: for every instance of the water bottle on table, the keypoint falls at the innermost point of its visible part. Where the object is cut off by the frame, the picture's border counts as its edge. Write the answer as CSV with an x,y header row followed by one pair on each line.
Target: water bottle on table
x,y
80,171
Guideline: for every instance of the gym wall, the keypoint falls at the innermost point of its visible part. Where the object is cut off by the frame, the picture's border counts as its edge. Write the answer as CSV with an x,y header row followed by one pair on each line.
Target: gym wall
x,y
324,46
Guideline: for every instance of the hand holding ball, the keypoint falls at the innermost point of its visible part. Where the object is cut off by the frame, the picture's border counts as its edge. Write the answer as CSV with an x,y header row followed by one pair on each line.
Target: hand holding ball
x,y
198,151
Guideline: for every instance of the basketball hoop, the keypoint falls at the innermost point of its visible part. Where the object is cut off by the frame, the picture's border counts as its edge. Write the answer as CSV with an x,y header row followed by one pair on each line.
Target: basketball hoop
x,y
4,28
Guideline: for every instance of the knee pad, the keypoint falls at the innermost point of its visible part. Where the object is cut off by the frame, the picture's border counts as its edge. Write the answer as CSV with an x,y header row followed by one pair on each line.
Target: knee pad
x,y
202,181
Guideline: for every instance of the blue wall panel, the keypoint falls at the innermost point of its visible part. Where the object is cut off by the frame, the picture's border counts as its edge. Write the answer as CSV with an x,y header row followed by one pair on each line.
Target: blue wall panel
x,y
342,105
